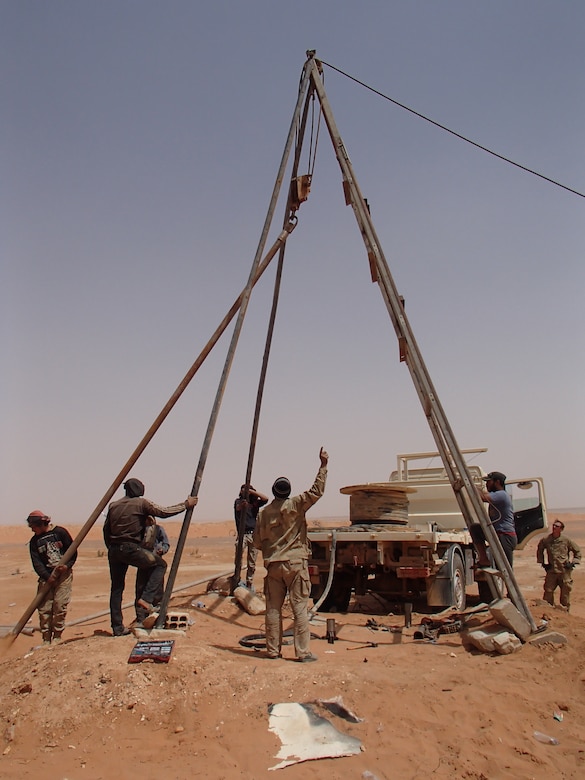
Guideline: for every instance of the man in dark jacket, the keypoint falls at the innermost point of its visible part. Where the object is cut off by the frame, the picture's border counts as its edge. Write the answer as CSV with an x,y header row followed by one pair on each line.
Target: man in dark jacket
x,y
124,530
47,547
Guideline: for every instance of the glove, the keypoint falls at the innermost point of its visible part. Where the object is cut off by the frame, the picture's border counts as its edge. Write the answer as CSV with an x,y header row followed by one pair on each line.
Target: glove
x,y
547,566
568,565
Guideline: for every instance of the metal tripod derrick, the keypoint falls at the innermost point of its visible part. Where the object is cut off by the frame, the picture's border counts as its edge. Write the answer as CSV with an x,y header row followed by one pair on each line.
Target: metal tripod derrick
x,y
312,90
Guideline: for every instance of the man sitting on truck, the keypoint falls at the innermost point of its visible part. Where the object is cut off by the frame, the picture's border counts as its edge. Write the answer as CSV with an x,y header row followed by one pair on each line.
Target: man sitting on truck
x,y
501,514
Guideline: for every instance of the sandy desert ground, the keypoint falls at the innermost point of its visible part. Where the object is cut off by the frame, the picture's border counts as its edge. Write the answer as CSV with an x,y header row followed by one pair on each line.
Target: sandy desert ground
x,y
79,710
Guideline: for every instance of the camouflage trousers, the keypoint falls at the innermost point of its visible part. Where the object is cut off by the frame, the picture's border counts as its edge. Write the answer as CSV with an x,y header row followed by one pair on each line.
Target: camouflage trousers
x,y
290,577
562,580
53,611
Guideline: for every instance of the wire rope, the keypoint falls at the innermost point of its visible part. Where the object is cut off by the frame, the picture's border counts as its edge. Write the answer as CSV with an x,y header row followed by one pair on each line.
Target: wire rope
x,y
453,132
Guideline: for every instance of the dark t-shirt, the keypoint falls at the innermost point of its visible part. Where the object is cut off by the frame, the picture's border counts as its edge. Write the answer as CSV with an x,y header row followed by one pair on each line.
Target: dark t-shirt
x,y
251,510
46,550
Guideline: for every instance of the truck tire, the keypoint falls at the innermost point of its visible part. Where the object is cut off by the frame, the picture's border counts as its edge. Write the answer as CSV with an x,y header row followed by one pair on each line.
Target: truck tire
x,y
459,599
485,592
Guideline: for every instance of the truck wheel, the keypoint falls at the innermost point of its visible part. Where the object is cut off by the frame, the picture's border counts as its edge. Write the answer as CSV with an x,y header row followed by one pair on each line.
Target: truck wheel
x,y
459,598
485,592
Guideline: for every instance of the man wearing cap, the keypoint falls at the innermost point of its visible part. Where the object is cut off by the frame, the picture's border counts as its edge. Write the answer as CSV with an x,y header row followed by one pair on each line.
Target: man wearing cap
x,y
246,508
281,534
501,514
47,546
559,568
124,530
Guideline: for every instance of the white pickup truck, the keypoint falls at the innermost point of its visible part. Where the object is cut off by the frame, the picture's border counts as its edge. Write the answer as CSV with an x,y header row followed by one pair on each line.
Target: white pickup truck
x,y
407,539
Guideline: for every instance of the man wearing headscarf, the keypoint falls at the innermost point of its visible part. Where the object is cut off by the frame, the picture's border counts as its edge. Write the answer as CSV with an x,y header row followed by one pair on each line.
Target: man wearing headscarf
x,y
281,534
124,530
47,546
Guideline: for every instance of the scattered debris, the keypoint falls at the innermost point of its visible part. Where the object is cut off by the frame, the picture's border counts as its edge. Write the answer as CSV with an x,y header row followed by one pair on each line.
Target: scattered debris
x,y
363,647
306,736
545,738
23,688
491,639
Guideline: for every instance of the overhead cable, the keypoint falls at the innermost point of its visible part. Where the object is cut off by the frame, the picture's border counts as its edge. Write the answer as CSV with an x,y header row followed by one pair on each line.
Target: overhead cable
x,y
457,135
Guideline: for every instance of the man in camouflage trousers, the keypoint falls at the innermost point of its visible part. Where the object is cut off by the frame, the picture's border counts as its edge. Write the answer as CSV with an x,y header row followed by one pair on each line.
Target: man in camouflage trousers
x,y
559,568
281,534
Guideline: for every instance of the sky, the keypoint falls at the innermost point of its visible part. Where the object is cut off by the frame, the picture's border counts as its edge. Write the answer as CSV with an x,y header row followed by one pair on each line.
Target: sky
x,y
139,148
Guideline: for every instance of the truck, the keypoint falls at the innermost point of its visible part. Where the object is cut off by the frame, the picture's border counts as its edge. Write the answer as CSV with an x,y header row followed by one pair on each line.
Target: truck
x,y
407,540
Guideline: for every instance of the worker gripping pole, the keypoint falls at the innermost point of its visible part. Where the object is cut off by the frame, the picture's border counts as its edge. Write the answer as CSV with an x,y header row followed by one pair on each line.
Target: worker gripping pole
x,y
469,501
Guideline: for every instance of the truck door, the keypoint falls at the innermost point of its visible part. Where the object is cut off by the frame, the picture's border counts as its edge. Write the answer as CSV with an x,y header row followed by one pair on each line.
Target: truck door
x,y
529,508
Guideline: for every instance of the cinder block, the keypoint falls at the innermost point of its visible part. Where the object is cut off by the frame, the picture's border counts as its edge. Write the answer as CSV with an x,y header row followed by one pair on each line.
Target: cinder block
x,y
506,614
177,621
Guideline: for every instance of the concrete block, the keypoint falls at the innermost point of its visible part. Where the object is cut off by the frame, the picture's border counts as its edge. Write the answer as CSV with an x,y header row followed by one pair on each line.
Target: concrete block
x,y
506,643
506,614
489,639
549,636
178,621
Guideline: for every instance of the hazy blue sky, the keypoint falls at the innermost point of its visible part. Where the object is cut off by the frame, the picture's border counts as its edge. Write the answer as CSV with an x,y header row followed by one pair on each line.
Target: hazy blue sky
x,y
139,146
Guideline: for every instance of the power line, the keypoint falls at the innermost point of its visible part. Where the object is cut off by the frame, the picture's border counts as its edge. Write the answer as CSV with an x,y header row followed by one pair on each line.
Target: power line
x,y
457,135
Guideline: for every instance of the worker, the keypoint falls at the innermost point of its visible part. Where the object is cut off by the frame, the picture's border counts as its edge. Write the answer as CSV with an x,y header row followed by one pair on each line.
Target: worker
x,y
246,508
501,514
47,546
281,534
563,555
124,530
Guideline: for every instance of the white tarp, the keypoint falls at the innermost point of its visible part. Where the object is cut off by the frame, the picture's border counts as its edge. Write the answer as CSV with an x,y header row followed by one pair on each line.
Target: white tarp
x,y
306,736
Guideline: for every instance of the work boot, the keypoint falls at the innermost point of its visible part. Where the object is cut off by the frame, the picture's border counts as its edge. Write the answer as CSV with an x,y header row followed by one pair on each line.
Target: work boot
x,y
305,659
